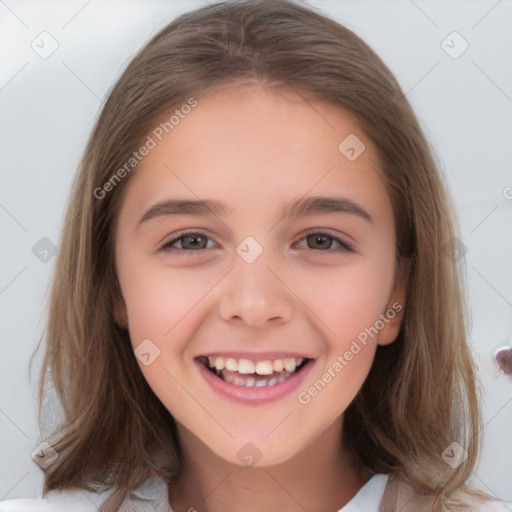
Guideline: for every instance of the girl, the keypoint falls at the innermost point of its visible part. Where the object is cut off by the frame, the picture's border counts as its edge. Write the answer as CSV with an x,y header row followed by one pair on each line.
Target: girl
x,y
256,303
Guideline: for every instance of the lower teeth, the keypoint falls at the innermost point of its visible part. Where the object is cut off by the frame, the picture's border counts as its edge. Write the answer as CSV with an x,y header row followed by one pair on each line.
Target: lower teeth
x,y
250,381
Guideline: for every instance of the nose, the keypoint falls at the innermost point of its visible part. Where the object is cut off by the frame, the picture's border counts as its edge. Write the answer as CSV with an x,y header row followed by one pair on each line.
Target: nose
x,y
255,294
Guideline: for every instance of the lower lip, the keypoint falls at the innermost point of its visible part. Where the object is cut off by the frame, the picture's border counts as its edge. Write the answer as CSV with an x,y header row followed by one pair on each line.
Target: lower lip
x,y
254,395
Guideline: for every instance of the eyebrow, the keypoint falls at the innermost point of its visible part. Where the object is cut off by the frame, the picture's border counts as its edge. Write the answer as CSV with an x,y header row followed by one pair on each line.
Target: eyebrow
x,y
300,208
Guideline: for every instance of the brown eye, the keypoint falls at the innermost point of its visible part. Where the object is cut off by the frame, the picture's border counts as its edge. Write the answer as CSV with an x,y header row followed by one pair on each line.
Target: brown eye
x,y
188,242
325,242
319,241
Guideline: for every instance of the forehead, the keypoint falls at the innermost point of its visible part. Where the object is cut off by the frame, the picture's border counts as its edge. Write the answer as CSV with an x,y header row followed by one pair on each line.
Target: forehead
x,y
251,144
266,122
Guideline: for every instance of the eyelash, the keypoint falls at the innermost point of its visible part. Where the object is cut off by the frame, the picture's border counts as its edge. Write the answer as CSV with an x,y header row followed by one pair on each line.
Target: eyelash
x,y
167,246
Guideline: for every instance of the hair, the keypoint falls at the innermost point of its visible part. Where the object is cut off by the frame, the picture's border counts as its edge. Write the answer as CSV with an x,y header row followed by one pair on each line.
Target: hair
x,y
421,393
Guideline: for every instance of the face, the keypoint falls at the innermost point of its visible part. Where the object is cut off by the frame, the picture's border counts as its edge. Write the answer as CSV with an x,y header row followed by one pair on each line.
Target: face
x,y
256,259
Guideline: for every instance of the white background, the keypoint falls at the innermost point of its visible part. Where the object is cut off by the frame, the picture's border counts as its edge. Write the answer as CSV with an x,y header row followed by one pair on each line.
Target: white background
x,y
48,107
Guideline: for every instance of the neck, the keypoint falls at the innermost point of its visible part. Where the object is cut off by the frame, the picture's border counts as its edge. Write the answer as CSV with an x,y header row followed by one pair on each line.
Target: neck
x,y
321,477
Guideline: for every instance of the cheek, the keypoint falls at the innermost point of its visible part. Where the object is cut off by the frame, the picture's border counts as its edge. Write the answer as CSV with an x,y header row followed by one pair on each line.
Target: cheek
x,y
162,306
160,301
351,298
338,383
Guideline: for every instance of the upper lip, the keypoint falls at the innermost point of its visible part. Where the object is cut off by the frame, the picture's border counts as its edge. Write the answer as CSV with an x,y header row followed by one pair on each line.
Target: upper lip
x,y
256,356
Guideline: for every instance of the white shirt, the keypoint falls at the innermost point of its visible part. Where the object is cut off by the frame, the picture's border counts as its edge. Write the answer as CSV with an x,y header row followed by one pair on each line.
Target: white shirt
x,y
152,497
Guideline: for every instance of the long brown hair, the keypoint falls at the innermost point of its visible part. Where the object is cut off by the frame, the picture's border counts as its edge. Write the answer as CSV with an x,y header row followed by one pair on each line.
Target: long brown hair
x,y
421,393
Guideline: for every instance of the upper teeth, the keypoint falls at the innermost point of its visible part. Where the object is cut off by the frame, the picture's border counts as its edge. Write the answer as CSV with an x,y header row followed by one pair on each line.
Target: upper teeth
x,y
246,366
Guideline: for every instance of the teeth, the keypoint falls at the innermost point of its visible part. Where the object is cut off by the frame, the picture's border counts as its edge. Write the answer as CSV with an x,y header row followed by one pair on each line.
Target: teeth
x,y
250,382
219,363
247,367
231,364
290,364
278,365
264,368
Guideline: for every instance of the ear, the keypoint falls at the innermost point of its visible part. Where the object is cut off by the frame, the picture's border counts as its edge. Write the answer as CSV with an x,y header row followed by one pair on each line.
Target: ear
x,y
393,315
120,313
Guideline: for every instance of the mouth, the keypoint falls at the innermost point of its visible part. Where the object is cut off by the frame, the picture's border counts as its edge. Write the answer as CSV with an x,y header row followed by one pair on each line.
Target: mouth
x,y
248,373
253,380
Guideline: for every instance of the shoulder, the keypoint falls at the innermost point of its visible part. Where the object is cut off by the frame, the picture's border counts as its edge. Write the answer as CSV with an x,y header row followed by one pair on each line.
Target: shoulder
x,y
399,495
57,501
473,503
78,504
150,497
487,506
497,506
492,505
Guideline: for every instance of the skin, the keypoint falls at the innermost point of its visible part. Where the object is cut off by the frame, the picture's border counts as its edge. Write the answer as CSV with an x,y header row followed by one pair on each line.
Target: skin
x,y
258,149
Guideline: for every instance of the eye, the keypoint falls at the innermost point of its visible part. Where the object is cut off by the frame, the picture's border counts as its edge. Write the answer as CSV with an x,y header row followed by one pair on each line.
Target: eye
x,y
189,241
324,242
196,241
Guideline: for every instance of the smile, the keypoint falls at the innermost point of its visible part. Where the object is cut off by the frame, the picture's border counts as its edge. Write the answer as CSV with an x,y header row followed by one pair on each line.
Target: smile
x,y
247,379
